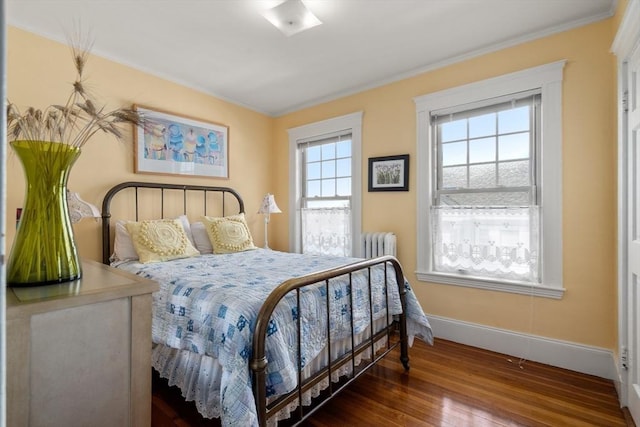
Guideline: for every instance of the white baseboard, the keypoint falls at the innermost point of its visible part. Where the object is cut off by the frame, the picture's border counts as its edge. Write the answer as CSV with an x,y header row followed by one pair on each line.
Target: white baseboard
x,y
563,354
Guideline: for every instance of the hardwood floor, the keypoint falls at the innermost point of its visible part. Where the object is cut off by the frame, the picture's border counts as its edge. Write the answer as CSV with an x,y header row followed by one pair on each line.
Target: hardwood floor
x,y
450,384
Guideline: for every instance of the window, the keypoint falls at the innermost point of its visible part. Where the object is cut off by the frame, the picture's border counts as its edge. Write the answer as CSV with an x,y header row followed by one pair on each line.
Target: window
x,y
326,195
484,152
484,213
325,186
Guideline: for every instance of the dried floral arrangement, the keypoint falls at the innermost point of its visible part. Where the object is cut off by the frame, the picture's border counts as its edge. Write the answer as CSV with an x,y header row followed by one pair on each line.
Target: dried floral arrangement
x,y
48,142
73,123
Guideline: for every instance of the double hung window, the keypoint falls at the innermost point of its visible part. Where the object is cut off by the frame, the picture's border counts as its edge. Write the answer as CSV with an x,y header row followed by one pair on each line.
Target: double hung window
x,y
490,183
325,186
485,207
326,195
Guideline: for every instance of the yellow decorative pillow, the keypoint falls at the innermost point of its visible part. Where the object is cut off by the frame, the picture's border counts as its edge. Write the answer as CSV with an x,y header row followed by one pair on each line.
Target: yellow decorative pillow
x,y
160,240
229,234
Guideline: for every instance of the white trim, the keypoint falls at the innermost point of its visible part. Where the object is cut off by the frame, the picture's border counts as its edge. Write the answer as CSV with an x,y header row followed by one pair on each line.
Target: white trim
x,y
547,77
623,221
629,31
521,288
351,122
563,354
625,41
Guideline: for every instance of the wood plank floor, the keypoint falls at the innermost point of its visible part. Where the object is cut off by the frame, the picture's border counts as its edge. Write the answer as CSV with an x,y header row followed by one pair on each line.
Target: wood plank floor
x,y
448,385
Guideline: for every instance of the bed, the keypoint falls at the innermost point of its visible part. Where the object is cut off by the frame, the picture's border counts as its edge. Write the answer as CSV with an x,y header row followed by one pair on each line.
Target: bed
x,y
256,336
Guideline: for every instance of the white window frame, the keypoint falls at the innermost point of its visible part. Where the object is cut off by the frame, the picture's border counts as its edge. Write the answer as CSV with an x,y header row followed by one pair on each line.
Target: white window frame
x,y
350,123
548,78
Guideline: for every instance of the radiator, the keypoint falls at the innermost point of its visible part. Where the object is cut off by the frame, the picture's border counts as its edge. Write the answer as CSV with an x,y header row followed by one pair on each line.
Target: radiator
x,y
375,244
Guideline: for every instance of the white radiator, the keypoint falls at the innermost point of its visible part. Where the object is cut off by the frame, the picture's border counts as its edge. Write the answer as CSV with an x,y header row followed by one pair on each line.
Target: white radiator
x,y
375,244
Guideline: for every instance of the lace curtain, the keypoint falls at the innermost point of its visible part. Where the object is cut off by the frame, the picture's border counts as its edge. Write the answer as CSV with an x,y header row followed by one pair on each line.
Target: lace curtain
x,y
326,231
490,242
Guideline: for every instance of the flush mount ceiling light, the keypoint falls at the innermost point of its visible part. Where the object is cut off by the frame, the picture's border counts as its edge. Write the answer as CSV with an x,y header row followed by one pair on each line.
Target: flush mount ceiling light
x,y
291,17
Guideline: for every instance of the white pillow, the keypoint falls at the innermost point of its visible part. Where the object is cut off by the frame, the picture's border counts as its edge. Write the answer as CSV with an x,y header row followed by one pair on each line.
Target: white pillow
x,y
201,238
187,227
123,249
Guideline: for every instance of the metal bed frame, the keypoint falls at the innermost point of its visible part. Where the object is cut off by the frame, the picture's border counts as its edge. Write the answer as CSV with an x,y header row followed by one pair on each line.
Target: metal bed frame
x,y
259,361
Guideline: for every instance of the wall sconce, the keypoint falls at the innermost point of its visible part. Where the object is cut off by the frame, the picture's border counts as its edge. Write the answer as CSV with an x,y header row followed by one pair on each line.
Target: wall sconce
x,y
268,207
79,209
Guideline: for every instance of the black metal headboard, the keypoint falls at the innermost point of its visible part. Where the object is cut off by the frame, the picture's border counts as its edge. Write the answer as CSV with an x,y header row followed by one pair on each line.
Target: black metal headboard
x,y
187,193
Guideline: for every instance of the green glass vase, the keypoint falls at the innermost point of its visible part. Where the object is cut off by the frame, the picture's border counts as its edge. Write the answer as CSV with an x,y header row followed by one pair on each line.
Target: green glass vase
x,y
44,250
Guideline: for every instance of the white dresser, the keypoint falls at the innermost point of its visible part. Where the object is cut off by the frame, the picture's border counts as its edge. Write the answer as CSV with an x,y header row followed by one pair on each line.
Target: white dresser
x,y
79,353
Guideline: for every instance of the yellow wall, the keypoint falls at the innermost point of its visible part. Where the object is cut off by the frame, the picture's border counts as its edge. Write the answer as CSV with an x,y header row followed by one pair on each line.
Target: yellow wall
x,y
259,163
39,73
586,312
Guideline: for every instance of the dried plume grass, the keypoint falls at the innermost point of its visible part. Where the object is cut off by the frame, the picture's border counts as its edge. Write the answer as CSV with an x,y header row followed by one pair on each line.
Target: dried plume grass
x,y
75,122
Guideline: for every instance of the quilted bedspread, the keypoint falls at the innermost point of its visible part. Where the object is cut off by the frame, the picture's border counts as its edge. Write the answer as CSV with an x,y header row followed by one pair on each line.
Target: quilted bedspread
x,y
209,304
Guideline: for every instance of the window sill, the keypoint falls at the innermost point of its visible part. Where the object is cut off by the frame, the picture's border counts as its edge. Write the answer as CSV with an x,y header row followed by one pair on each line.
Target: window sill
x,y
493,285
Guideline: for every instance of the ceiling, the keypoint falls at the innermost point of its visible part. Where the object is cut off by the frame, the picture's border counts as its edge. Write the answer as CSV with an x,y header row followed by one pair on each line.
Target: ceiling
x,y
226,48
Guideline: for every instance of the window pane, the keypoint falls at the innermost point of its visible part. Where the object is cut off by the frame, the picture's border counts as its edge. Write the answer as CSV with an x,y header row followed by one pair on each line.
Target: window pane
x,y
515,120
454,177
482,150
514,146
329,169
453,131
512,174
313,171
454,153
313,154
497,243
344,148
482,176
313,188
343,167
328,187
328,151
482,125
520,198
344,186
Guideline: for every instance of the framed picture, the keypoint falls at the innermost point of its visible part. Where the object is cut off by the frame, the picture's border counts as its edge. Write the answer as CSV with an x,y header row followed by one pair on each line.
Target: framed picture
x,y
389,173
178,145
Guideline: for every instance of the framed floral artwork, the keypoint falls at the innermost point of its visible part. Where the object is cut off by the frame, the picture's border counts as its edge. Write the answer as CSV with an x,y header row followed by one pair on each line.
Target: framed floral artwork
x,y
177,145
390,173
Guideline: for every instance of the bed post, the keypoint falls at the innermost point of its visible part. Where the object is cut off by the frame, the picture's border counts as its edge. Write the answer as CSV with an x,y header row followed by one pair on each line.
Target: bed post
x,y
402,318
259,388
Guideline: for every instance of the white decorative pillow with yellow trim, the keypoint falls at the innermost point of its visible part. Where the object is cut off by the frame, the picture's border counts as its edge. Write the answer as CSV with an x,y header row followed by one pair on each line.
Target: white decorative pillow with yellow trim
x,y
228,234
123,249
160,240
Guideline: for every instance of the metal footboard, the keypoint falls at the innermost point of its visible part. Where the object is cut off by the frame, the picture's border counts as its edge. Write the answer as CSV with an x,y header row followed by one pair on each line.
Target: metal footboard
x,y
259,362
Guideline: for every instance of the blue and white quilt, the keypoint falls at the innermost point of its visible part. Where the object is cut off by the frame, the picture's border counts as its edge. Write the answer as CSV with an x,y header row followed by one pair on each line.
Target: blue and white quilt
x,y
208,305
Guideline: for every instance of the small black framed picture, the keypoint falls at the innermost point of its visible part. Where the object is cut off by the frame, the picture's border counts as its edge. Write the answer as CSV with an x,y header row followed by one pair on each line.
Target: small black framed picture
x,y
390,173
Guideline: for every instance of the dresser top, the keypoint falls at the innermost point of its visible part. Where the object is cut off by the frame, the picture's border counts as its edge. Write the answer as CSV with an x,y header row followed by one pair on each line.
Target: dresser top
x,y
98,283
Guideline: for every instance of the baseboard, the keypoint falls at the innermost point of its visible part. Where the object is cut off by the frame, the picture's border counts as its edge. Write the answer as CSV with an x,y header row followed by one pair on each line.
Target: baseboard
x,y
563,354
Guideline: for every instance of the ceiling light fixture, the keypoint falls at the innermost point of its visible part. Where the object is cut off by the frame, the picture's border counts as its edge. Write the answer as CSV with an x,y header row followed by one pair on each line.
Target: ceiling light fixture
x,y
291,17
